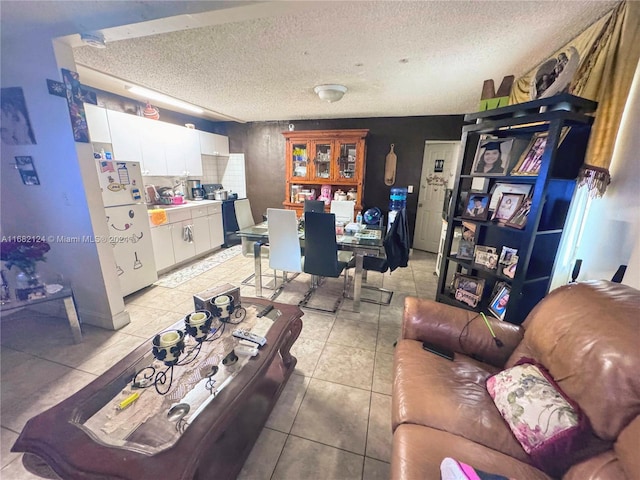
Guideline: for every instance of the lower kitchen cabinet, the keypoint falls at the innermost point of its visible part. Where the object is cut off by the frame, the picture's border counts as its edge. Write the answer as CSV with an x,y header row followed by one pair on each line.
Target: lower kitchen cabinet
x,y
201,237
163,246
216,231
183,249
171,244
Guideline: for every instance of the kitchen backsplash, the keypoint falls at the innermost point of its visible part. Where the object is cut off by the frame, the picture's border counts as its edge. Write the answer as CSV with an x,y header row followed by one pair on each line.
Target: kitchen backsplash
x,y
229,171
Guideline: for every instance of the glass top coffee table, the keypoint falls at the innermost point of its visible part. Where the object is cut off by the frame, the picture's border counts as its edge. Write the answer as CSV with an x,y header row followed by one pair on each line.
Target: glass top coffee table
x,y
95,434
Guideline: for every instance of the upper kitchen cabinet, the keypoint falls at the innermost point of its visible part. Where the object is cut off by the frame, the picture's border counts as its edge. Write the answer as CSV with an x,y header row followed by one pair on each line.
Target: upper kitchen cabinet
x,y
163,149
97,123
182,151
214,144
125,136
317,158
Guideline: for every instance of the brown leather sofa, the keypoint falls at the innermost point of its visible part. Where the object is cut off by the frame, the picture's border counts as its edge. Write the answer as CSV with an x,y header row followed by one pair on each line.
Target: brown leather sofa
x,y
587,335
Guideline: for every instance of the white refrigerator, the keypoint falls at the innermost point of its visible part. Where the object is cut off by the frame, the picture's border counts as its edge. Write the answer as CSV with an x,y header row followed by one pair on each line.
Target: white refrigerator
x,y
128,221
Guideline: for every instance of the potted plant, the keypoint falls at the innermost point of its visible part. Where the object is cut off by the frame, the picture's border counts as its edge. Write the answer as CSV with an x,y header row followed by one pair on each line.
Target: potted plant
x,y
24,254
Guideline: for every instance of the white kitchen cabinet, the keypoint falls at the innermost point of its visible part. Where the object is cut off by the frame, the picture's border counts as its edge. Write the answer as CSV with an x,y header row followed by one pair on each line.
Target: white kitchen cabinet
x,y
125,136
97,123
214,144
191,153
201,237
154,160
182,248
163,246
181,151
216,231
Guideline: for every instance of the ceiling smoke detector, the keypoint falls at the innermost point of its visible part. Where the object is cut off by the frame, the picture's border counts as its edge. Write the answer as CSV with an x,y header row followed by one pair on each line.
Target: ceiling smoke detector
x,y
94,39
330,93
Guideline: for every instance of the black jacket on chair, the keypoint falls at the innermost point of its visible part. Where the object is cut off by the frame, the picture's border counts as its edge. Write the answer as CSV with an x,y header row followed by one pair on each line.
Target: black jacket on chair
x,y
397,243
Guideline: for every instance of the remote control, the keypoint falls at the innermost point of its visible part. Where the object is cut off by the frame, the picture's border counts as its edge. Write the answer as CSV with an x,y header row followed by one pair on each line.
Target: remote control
x,y
247,335
242,350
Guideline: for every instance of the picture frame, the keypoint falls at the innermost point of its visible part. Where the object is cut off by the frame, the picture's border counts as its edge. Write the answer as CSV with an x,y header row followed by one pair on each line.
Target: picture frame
x,y
501,188
507,254
476,206
519,219
531,159
485,257
492,157
498,305
468,289
466,245
510,270
27,170
507,206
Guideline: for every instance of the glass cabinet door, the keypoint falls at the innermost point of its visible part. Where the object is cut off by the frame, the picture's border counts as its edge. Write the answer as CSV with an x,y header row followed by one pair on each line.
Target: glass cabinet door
x,y
346,161
299,160
322,161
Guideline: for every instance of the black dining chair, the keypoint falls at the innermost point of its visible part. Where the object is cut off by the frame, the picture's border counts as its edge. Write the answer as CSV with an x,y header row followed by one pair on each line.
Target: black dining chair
x,y
396,246
321,256
313,206
373,264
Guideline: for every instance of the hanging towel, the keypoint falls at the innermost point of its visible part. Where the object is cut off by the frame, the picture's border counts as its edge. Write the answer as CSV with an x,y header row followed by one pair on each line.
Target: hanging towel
x,y
187,233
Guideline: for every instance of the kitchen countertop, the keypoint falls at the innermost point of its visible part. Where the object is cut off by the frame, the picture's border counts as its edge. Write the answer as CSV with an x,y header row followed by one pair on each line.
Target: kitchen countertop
x,y
188,204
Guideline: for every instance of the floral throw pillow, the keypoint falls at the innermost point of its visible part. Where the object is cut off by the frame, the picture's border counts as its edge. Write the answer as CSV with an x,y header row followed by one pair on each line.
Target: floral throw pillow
x,y
543,419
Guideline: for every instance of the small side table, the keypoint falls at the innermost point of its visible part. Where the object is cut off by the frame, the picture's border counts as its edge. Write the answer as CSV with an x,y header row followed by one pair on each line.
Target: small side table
x,y
66,295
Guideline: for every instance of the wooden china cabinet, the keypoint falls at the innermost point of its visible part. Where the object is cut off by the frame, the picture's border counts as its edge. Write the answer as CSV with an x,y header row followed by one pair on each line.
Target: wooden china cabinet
x,y
315,158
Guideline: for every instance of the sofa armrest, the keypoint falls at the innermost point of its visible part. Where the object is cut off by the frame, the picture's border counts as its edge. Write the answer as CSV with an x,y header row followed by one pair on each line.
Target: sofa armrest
x,y
460,330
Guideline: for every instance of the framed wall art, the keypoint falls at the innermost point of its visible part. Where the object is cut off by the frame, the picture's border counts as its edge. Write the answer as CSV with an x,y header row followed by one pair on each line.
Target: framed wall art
x,y
27,171
16,126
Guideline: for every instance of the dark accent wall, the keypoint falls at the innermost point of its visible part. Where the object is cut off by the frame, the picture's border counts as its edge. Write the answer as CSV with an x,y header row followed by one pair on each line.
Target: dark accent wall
x,y
263,146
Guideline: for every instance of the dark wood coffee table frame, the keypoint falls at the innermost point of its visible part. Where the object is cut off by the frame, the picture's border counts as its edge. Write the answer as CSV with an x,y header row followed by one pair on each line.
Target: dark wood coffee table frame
x,y
215,445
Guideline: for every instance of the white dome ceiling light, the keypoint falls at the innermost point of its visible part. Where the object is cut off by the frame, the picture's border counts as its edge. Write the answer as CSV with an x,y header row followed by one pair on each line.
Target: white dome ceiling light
x,y
330,93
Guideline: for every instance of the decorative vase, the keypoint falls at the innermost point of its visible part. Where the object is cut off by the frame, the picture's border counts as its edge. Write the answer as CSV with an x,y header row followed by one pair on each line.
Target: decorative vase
x,y
28,283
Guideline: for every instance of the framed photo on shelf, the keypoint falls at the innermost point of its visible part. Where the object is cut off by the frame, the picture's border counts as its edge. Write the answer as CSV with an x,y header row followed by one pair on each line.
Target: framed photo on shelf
x,y
531,159
486,257
468,289
519,219
510,270
507,206
501,188
507,254
498,305
492,157
467,242
476,206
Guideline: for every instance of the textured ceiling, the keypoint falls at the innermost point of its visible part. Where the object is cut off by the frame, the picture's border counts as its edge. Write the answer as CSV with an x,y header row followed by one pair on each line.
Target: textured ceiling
x,y
260,61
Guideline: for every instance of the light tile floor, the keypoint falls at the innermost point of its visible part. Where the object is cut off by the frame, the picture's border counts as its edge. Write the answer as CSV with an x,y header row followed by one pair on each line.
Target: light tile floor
x,y
332,420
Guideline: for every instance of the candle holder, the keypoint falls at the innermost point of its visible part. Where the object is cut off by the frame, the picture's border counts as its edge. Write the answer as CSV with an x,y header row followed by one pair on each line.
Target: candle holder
x,y
223,307
198,325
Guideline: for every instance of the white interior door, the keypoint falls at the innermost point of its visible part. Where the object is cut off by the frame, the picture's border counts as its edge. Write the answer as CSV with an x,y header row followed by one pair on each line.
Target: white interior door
x,y
438,170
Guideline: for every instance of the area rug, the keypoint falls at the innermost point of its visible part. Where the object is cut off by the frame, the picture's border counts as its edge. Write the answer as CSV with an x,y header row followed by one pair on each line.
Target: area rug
x,y
177,277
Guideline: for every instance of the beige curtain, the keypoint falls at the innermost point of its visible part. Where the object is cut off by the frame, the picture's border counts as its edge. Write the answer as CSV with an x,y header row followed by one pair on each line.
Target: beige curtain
x,y
602,63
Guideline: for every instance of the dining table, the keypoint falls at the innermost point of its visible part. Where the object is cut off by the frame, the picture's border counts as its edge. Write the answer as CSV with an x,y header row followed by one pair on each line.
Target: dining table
x,y
368,240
